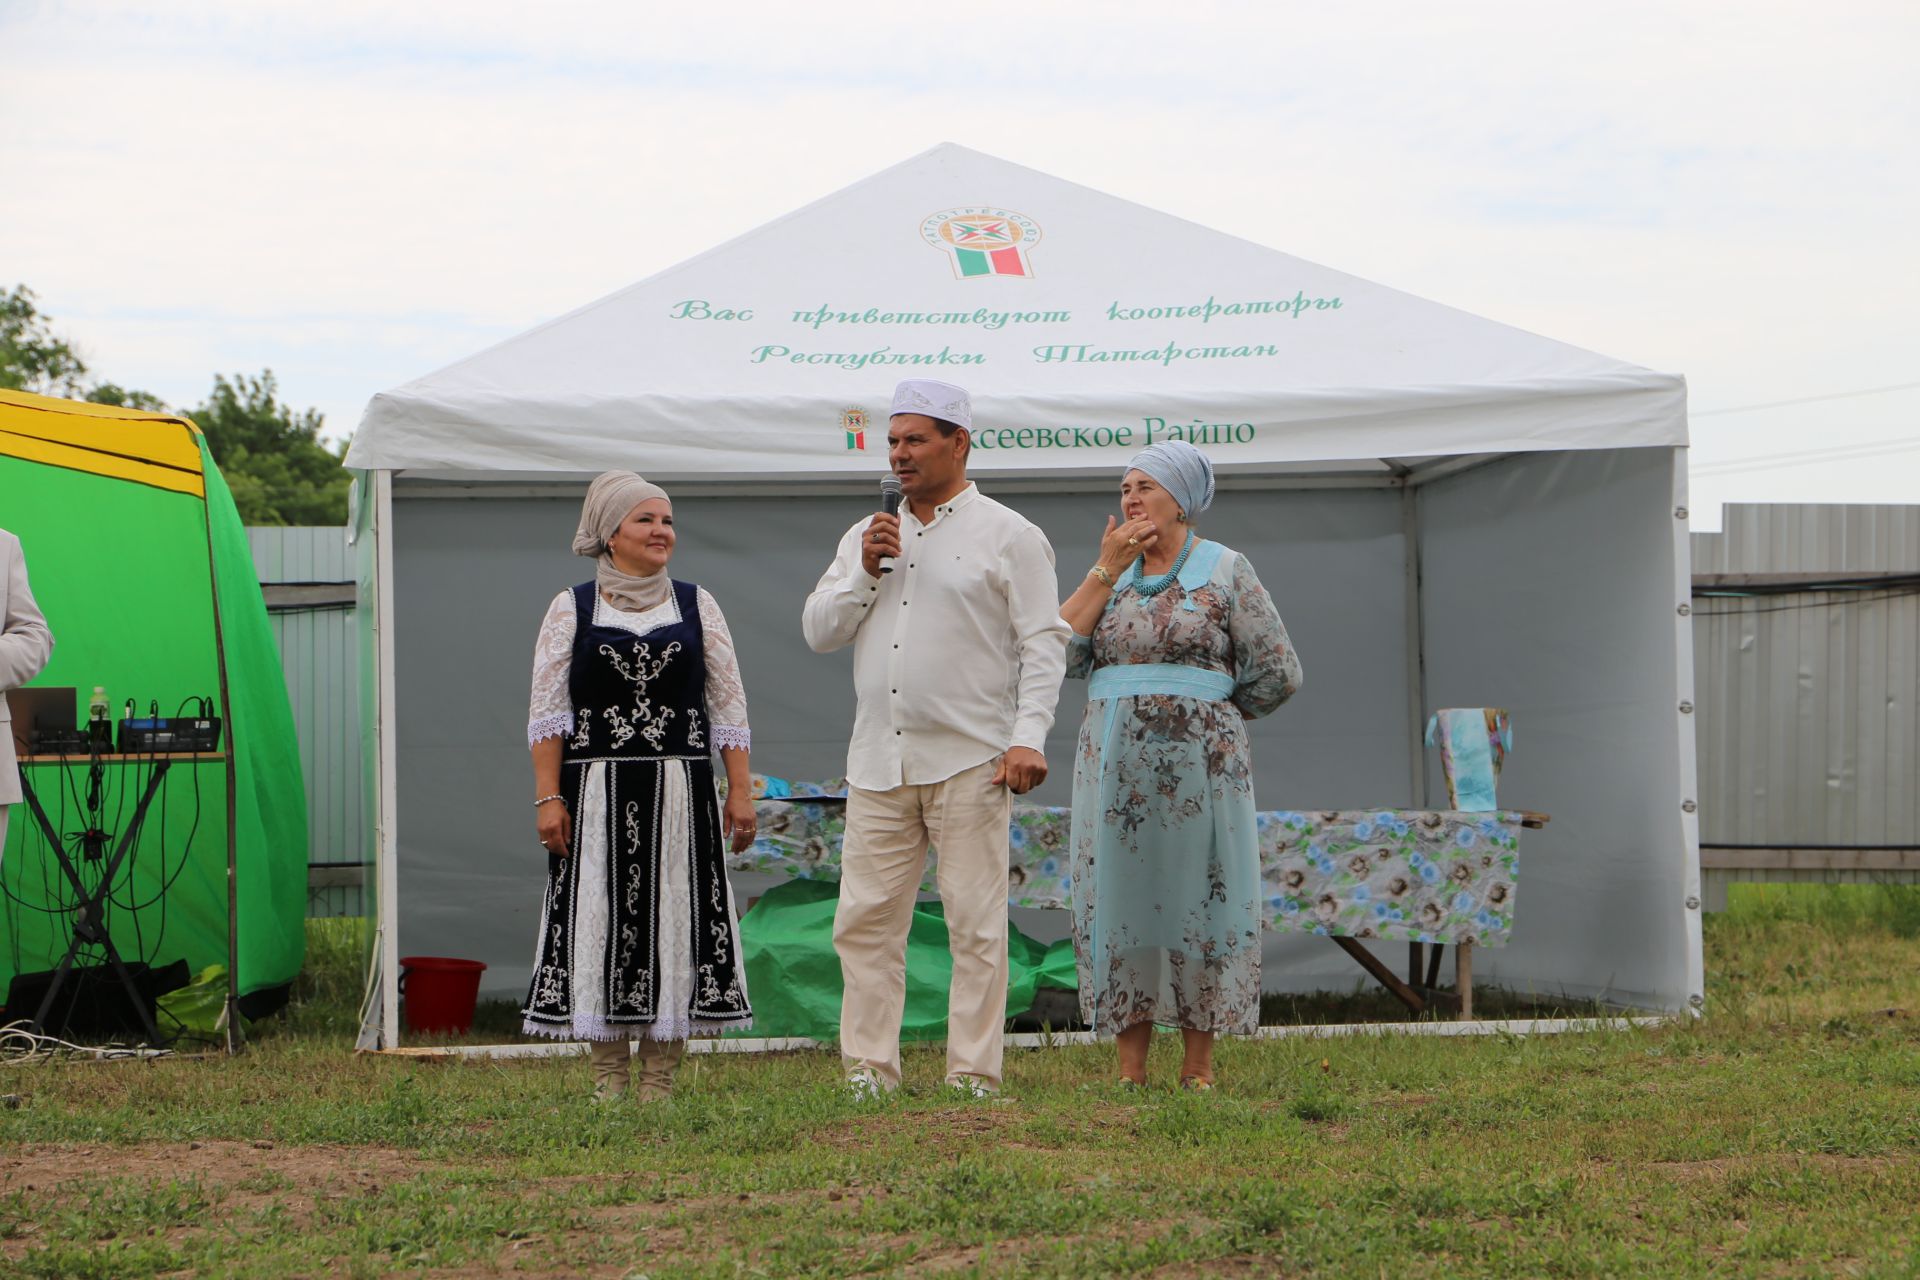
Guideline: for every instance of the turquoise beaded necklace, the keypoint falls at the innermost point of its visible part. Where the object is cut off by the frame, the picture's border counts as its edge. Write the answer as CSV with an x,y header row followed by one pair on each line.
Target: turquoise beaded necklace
x,y
1143,587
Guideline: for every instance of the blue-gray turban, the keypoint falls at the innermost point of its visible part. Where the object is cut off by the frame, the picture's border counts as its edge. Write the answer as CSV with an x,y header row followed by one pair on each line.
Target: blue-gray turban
x,y
1181,470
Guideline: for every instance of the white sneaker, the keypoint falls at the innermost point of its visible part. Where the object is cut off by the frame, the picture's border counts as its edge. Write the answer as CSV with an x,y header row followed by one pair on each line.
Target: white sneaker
x,y
863,1086
971,1086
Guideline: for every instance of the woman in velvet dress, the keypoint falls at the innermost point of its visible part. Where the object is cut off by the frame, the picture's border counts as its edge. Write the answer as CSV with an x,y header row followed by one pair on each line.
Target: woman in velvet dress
x,y
1181,645
635,687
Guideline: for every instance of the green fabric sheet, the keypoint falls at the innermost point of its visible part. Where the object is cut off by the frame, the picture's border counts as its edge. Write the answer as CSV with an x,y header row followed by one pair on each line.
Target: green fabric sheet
x,y
793,974
126,574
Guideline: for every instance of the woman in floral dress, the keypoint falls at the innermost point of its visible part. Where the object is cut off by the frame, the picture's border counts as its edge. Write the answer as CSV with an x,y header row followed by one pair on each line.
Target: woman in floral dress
x,y
1182,645
635,687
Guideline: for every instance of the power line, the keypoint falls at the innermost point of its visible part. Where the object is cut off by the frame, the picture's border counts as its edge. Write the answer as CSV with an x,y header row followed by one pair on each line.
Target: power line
x,y
1782,404
1868,597
1837,453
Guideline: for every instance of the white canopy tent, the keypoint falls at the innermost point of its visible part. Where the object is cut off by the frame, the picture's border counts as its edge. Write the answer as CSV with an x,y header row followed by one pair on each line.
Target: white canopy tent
x,y
1448,511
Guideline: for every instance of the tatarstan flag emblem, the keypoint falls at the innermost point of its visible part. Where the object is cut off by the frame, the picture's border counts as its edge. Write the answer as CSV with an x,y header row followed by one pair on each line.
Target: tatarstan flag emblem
x,y
854,423
982,240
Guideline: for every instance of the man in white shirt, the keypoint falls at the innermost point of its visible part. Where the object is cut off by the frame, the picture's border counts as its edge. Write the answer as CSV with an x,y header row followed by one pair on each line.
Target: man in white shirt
x,y
25,643
958,654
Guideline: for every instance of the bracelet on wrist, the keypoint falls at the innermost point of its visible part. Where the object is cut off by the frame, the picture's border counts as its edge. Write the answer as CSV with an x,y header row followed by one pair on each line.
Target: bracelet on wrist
x,y
548,799
1100,571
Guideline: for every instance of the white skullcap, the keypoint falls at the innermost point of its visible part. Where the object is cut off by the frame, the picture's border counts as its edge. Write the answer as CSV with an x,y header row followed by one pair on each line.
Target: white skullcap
x,y
934,400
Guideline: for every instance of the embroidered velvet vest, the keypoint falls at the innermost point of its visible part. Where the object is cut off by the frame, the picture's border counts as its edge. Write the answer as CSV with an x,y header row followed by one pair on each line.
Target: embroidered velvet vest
x,y
638,697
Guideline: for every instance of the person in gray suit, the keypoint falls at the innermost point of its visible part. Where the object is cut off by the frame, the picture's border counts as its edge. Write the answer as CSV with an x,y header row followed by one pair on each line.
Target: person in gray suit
x,y
25,643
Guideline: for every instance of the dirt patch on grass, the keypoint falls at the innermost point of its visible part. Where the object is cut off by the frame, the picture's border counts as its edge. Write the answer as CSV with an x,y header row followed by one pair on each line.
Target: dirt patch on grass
x,y
1011,1255
941,1262
1239,1265
1723,1166
240,1177
954,1127
214,1164
522,1267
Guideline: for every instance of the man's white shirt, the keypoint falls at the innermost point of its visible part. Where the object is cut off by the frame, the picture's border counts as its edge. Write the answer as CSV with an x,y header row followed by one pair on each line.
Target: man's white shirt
x,y
958,654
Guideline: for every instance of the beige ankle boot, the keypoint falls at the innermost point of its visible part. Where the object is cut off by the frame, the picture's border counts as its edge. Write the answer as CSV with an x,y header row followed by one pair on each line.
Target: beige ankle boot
x,y
658,1061
611,1066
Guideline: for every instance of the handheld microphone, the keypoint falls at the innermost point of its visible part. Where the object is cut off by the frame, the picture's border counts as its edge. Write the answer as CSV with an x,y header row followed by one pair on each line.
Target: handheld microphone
x,y
890,504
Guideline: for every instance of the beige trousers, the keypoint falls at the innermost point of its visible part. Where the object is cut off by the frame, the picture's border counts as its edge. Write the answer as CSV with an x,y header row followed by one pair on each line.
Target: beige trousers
x,y
881,862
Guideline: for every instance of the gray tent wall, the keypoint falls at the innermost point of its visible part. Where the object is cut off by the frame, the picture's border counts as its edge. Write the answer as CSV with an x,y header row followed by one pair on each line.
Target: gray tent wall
x,y
1556,585
1546,583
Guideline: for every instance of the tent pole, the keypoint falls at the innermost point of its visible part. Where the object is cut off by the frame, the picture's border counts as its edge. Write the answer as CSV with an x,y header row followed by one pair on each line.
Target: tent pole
x,y
1690,887
386,869
1416,649
1416,684
232,1018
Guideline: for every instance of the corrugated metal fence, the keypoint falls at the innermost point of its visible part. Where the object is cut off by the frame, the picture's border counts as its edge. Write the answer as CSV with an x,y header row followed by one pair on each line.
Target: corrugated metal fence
x,y
308,582
1807,671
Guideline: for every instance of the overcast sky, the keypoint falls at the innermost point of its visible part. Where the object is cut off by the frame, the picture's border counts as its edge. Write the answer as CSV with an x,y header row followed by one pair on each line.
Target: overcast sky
x,y
357,193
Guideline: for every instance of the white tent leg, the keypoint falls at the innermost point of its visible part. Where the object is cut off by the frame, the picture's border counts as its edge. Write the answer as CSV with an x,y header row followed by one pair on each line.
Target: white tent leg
x,y
1691,891
386,867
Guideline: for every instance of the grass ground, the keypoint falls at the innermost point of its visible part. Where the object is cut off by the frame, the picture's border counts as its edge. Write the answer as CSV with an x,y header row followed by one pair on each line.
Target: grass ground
x,y
1780,1136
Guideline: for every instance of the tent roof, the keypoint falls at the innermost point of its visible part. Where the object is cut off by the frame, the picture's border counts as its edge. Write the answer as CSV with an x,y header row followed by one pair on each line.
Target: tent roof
x,y
155,449
1084,325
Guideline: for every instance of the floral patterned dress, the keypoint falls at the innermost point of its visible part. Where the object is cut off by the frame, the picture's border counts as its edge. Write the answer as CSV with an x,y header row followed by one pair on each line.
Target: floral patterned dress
x,y
1166,866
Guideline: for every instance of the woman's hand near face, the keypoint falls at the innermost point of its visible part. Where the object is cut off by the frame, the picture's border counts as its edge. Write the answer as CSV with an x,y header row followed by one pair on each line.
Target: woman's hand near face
x,y
1122,544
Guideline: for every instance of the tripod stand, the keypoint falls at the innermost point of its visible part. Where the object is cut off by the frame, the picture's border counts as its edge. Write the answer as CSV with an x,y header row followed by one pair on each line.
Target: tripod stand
x,y
89,922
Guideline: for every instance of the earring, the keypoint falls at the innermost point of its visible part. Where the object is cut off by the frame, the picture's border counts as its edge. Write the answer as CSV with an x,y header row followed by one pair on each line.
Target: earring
x,y
1180,515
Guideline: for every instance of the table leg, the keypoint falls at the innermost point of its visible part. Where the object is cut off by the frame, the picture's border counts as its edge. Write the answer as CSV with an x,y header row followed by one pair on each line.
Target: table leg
x,y
1416,963
1433,966
1463,978
1387,978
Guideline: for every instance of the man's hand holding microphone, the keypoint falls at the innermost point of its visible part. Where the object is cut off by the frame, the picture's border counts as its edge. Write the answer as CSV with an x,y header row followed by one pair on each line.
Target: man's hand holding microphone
x,y
881,542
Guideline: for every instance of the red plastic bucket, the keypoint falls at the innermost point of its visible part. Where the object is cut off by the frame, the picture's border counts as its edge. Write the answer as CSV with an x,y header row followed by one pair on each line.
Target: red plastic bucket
x,y
440,993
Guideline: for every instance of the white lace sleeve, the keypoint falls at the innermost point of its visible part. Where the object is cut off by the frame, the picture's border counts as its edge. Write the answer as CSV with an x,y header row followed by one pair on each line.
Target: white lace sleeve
x,y
550,711
726,695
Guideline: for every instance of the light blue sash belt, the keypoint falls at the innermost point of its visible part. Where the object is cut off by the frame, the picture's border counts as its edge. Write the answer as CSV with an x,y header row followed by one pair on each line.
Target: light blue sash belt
x,y
1131,680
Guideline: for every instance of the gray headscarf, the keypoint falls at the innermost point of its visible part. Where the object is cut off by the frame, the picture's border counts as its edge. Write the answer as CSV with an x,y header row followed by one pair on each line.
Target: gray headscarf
x,y
610,498
1181,470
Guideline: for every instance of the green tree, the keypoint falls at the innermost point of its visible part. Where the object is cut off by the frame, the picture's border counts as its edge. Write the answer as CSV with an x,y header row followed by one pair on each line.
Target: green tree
x,y
279,469
121,397
32,357
273,458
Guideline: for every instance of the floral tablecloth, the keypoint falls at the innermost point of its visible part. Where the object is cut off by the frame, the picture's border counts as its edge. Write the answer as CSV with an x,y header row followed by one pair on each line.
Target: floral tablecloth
x,y
1410,875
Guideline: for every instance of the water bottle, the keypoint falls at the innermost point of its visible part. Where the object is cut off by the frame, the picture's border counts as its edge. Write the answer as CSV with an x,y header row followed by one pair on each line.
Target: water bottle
x,y
99,726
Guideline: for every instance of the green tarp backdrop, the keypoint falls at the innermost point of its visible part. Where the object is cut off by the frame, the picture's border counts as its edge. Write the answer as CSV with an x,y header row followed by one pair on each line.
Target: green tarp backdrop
x,y
793,973
139,561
